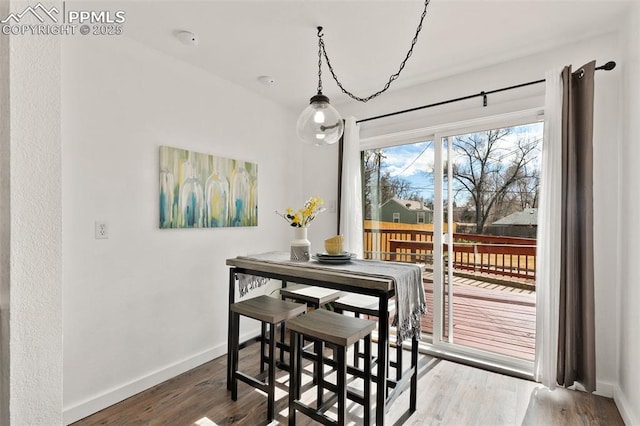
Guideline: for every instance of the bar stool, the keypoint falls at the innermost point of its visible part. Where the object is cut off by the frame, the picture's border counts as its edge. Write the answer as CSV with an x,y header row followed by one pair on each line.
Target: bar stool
x,y
342,331
314,297
361,304
267,310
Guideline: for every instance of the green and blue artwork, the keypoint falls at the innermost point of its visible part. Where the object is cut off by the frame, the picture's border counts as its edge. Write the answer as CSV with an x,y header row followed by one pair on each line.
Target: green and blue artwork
x,y
205,191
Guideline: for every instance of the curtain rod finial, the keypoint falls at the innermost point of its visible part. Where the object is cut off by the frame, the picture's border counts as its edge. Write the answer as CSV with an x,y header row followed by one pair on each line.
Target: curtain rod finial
x,y
608,66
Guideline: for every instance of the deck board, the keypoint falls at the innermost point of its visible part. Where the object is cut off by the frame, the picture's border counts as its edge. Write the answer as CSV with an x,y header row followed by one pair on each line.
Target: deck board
x,y
489,317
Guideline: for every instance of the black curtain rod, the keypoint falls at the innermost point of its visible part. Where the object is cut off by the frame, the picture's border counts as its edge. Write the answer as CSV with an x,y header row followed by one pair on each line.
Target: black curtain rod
x,y
607,67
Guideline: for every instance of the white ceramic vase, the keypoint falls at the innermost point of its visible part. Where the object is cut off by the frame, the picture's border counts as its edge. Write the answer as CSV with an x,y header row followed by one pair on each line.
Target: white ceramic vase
x,y
300,246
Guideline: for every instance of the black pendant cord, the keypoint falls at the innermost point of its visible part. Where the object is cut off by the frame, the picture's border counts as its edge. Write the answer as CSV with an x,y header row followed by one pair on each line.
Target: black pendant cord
x,y
392,78
606,67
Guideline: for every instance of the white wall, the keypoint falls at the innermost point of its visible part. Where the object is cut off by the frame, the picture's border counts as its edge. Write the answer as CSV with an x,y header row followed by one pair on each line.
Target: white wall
x,y
319,177
606,141
146,304
35,225
627,395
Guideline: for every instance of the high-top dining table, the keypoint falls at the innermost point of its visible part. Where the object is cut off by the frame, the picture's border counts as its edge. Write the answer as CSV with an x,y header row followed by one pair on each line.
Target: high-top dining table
x,y
376,278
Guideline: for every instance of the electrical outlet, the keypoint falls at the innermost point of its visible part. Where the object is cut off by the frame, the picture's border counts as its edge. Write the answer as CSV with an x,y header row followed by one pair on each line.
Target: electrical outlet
x,y
101,230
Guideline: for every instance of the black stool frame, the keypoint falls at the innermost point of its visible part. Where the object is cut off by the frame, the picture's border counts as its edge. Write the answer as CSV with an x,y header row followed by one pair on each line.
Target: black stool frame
x,y
340,391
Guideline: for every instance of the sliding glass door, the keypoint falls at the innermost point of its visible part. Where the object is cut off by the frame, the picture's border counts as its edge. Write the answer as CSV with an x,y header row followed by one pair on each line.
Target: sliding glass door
x,y
463,203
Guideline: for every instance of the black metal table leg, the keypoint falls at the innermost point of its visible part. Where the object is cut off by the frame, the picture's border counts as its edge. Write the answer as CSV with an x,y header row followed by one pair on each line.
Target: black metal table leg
x,y
232,298
383,343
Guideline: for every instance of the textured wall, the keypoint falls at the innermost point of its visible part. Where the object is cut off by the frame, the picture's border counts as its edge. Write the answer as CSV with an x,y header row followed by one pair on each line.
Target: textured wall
x,y
36,231
4,223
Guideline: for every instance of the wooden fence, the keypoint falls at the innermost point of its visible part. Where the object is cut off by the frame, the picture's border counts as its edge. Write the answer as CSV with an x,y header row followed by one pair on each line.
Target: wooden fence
x,y
507,256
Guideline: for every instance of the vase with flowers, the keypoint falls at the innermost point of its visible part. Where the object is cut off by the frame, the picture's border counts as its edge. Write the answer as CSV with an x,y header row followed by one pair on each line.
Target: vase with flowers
x,y
300,221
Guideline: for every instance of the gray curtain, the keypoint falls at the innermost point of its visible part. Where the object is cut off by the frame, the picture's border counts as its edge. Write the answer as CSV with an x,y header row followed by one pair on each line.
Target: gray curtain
x,y
576,337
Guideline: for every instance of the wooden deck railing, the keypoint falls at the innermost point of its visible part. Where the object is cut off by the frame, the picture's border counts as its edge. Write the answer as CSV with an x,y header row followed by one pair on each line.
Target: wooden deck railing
x,y
507,256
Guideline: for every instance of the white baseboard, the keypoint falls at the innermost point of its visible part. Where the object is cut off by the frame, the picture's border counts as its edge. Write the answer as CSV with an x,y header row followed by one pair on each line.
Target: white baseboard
x,y
99,402
605,389
626,409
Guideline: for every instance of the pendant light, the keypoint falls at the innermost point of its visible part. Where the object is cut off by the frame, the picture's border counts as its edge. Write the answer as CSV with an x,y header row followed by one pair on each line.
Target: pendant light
x,y
320,123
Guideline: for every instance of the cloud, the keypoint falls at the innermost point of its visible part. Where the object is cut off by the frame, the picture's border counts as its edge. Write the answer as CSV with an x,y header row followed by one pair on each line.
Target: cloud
x,y
408,160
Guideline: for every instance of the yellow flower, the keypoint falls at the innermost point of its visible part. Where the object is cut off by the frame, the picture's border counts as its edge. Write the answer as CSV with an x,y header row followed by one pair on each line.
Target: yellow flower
x,y
304,216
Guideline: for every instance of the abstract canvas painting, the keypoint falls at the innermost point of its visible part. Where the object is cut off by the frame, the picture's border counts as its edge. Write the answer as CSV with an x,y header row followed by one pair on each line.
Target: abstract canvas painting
x,y
205,191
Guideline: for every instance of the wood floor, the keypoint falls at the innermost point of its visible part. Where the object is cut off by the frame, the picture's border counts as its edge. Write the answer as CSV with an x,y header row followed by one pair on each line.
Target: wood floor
x,y
449,394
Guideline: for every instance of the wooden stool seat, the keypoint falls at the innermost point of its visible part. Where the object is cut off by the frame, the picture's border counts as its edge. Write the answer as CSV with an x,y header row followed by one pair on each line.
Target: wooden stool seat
x,y
267,310
315,296
328,326
342,331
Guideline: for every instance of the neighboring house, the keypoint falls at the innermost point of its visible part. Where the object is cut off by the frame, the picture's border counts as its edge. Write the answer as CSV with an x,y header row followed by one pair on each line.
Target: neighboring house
x,y
519,224
405,211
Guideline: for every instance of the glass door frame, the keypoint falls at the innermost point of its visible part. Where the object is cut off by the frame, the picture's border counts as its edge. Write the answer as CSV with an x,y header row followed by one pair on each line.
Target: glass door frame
x,y
435,345
439,344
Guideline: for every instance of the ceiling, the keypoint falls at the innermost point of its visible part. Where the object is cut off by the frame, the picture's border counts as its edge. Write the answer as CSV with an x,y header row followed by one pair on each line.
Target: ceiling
x,y
366,40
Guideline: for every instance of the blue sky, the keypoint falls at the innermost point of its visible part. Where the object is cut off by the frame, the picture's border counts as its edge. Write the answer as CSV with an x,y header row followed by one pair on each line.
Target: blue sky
x,y
415,162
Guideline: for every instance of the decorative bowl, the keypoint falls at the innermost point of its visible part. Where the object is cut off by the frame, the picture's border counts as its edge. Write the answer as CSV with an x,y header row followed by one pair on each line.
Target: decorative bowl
x,y
334,245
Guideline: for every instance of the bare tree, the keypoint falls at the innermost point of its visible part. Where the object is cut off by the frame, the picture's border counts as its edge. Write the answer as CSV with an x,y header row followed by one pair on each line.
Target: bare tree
x,y
527,188
393,186
491,169
371,169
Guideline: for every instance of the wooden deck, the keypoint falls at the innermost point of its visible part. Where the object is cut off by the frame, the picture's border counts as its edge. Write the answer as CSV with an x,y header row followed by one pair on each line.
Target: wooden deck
x,y
488,316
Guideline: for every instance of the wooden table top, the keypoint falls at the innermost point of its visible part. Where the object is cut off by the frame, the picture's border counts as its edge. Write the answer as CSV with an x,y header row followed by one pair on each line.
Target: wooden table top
x,y
338,274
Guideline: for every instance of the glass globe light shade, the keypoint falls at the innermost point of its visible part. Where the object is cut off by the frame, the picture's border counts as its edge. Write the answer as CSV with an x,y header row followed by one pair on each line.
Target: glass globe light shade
x,y
320,123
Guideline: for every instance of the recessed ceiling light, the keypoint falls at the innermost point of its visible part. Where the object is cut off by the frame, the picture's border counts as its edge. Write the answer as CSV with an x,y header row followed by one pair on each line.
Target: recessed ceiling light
x,y
188,38
267,80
